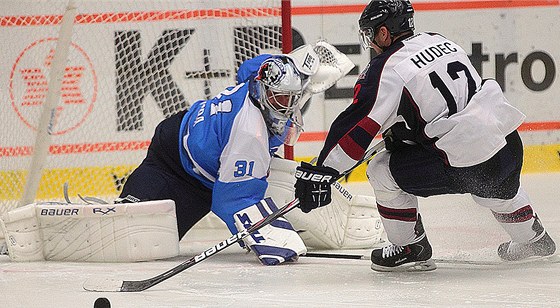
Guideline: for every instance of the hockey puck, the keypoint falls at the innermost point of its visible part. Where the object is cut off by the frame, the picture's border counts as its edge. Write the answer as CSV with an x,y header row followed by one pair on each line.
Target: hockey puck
x,y
102,302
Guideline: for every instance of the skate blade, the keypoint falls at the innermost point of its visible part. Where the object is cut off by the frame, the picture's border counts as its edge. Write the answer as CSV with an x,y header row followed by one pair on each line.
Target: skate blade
x,y
419,266
554,258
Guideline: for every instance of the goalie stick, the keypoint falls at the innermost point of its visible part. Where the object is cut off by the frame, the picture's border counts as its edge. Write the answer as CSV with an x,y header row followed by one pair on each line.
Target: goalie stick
x,y
112,285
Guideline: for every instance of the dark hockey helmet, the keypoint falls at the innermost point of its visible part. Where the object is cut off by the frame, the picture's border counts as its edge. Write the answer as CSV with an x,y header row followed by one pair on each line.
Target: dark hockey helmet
x,y
396,15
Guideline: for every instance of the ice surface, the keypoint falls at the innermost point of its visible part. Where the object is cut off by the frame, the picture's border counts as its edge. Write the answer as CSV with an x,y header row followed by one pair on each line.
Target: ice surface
x,y
457,228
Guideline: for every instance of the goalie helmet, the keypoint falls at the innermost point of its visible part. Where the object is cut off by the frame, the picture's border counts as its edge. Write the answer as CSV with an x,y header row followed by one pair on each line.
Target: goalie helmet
x,y
277,89
396,15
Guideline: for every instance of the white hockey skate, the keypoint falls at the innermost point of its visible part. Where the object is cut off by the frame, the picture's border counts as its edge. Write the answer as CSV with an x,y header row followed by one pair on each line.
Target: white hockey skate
x,y
541,245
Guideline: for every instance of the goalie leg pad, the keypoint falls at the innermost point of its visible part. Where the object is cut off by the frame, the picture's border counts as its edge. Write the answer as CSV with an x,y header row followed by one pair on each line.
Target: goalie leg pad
x,y
349,222
274,243
23,236
93,232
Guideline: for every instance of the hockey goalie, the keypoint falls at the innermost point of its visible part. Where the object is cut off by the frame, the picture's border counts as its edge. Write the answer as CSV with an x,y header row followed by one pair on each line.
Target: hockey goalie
x,y
219,157
142,231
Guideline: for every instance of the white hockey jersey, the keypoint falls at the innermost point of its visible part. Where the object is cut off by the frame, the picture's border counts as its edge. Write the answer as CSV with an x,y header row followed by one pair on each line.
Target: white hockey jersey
x,y
428,82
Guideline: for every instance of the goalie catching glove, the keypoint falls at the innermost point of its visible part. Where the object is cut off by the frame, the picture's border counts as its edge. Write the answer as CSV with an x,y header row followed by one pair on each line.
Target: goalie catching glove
x,y
274,243
323,63
313,186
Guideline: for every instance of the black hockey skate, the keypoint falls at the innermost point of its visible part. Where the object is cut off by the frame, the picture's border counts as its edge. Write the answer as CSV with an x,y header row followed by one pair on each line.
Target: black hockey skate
x,y
541,245
412,257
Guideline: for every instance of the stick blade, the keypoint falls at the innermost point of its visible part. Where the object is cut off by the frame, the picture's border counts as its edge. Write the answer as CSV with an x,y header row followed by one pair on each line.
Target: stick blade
x,y
103,285
113,285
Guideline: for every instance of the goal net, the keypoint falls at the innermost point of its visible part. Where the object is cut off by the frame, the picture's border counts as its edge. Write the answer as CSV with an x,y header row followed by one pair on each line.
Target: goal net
x,y
84,83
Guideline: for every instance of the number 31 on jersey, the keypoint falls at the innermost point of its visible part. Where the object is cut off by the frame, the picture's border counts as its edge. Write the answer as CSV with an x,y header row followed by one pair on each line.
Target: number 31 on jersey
x,y
243,168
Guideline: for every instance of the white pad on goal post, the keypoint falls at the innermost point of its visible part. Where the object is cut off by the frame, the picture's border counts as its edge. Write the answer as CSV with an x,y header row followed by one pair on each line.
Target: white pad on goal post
x,y
349,222
92,232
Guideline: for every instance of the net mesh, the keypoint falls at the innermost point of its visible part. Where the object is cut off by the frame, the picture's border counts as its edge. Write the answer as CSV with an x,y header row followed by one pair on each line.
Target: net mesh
x,y
130,64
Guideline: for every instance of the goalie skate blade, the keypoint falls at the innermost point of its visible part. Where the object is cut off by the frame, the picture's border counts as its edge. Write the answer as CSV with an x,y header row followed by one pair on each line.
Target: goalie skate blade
x,y
419,266
103,285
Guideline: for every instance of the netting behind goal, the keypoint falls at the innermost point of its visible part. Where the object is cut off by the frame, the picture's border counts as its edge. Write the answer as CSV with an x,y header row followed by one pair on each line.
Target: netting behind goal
x,y
128,65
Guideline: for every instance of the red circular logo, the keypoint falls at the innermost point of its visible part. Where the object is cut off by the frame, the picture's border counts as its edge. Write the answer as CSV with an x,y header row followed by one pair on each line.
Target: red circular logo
x,y
29,85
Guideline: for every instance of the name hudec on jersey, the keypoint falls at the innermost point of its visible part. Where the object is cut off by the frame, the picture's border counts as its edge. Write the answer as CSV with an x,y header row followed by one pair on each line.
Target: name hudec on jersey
x,y
431,53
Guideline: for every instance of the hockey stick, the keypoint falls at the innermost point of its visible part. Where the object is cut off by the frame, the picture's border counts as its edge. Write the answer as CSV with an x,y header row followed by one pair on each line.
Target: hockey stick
x,y
111,285
546,259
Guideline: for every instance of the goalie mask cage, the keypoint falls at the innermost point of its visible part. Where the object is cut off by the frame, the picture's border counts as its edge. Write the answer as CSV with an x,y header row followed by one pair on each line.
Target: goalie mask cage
x,y
84,83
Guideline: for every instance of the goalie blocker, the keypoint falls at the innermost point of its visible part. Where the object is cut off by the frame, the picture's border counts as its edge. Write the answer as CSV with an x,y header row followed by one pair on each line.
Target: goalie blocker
x,y
274,243
92,232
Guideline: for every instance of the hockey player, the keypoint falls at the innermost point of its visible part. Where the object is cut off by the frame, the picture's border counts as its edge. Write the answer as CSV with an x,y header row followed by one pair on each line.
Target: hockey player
x,y
446,130
215,156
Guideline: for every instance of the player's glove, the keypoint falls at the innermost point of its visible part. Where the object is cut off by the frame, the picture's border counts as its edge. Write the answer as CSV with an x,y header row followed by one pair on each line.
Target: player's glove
x,y
313,186
397,137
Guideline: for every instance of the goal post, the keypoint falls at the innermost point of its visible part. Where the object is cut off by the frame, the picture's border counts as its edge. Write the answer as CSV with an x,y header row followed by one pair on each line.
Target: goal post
x,y
287,48
127,65
47,117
